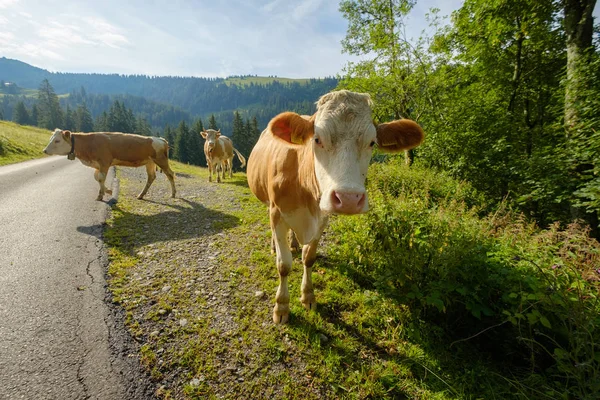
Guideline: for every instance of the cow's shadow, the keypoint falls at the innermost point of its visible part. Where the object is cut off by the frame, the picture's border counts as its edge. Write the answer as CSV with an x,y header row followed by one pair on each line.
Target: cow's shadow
x,y
184,219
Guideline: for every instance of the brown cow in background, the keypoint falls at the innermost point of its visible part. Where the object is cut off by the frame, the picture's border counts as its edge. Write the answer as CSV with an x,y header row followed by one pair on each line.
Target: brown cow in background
x,y
101,150
219,150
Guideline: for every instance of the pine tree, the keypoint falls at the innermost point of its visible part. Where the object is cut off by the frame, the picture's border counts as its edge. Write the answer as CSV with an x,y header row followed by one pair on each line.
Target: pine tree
x,y
142,127
69,120
196,143
238,134
34,115
83,119
20,114
101,124
50,114
182,151
170,137
212,122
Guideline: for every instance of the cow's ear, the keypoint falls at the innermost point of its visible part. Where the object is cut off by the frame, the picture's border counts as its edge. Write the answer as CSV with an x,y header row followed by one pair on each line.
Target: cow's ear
x,y
66,135
292,128
203,133
399,135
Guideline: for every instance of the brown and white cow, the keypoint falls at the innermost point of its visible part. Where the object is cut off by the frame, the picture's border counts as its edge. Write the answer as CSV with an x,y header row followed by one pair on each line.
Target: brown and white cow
x,y
306,168
219,152
101,150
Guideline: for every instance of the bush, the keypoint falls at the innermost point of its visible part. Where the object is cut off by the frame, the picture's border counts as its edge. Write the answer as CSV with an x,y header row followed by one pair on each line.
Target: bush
x,y
499,280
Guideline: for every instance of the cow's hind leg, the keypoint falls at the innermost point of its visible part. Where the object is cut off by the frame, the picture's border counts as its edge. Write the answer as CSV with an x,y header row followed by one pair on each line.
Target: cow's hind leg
x,y
151,171
281,311
164,165
100,176
309,255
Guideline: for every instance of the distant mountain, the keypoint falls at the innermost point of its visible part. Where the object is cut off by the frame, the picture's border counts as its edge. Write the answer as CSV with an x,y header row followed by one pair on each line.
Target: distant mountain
x,y
197,96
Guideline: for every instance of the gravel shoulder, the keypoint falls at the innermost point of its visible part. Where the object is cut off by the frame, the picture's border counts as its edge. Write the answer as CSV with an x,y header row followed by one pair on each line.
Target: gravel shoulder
x,y
185,271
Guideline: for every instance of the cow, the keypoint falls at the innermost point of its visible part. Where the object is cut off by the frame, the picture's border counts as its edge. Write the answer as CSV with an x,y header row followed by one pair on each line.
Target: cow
x,y
101,150
305,168
219,152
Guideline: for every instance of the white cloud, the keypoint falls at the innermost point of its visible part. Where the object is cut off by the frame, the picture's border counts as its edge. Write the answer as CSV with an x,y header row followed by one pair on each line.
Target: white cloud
x,y
7,3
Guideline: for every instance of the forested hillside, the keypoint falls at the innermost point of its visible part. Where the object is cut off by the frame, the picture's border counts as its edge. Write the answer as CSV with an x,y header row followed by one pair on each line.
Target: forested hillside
x,y
198,96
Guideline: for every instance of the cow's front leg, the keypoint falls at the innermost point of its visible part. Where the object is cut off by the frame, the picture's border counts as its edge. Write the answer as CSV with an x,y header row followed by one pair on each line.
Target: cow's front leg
x,y
210,171
100,176
281,311
218,168
309,255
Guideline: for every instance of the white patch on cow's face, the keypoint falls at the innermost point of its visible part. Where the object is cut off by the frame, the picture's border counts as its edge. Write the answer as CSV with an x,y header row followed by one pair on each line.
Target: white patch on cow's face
x,y
343,146
58,145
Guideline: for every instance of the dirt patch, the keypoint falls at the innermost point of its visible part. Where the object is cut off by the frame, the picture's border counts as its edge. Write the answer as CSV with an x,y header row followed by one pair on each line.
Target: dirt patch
x,y
196,280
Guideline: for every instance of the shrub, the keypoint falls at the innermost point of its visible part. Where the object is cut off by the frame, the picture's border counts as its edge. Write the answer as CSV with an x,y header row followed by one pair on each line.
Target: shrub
x,y
498,280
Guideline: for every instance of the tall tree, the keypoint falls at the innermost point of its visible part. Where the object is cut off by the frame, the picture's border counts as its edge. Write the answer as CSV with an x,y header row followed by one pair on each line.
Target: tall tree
x,y
579,28
182,150
21,115
170,137
50,114
197,143
83,119
212,122
69,122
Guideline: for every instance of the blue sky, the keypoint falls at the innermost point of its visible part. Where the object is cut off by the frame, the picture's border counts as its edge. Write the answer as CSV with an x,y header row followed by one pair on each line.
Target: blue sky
x,y
287,38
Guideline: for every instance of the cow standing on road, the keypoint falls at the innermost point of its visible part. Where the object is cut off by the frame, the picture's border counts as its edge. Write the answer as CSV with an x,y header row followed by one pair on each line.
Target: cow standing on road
x,y
305,168
219,152
101,150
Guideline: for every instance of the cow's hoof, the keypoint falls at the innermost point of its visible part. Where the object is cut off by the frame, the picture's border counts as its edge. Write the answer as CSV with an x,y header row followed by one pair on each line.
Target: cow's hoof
x,y
99,198
281,314
309,302
140,197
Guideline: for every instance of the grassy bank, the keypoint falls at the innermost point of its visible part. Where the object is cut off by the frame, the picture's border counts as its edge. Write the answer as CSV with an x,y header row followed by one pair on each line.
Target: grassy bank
x,y
21,143
420,299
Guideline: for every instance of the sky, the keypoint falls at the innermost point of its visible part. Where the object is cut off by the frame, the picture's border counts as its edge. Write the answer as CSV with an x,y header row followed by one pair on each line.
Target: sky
x,y
209,38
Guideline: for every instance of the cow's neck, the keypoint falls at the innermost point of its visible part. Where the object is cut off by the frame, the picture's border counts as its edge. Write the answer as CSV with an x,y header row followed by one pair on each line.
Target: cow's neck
x,y
308,177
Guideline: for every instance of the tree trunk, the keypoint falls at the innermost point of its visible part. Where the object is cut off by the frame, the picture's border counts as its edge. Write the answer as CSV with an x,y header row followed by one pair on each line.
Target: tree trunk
x,y
579,29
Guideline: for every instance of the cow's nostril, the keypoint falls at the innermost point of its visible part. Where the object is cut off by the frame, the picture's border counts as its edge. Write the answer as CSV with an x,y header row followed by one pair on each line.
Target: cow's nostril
x,y
336,201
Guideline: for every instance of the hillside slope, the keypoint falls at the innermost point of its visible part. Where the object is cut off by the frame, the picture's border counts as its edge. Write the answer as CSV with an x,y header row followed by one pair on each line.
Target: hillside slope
x,y
20,142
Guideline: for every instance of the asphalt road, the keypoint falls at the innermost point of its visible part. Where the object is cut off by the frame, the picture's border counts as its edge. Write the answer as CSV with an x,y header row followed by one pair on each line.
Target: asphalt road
x,y
59,337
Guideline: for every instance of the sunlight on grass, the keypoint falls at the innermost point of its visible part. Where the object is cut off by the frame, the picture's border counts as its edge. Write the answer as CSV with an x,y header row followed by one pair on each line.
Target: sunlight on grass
x,y
20,143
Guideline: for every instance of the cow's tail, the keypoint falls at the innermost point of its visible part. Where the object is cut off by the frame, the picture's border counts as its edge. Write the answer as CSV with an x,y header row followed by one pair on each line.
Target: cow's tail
x,y
240,157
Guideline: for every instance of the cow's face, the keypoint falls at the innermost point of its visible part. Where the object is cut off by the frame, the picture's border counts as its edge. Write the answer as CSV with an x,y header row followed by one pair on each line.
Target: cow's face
x,y
211,137
342,136
60,143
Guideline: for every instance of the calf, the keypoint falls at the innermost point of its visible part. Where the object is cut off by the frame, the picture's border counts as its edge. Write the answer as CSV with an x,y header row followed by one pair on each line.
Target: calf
x,y
306,168
101,150
219,150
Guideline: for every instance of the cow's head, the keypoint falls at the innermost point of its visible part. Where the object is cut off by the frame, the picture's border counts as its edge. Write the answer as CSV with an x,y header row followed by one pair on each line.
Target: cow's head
x,y
60,143
211,137
342,136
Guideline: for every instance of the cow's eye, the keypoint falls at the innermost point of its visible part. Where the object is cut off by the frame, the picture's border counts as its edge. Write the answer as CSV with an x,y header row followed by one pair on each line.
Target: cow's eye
x,y
372,144
317,140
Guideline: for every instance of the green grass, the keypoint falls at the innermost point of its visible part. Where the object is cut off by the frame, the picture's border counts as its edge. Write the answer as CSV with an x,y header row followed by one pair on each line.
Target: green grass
x,y
393,289
21,143
23,92
261,80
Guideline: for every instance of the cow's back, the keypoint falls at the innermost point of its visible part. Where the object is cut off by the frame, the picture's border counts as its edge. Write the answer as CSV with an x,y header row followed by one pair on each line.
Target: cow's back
x,y
130,148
